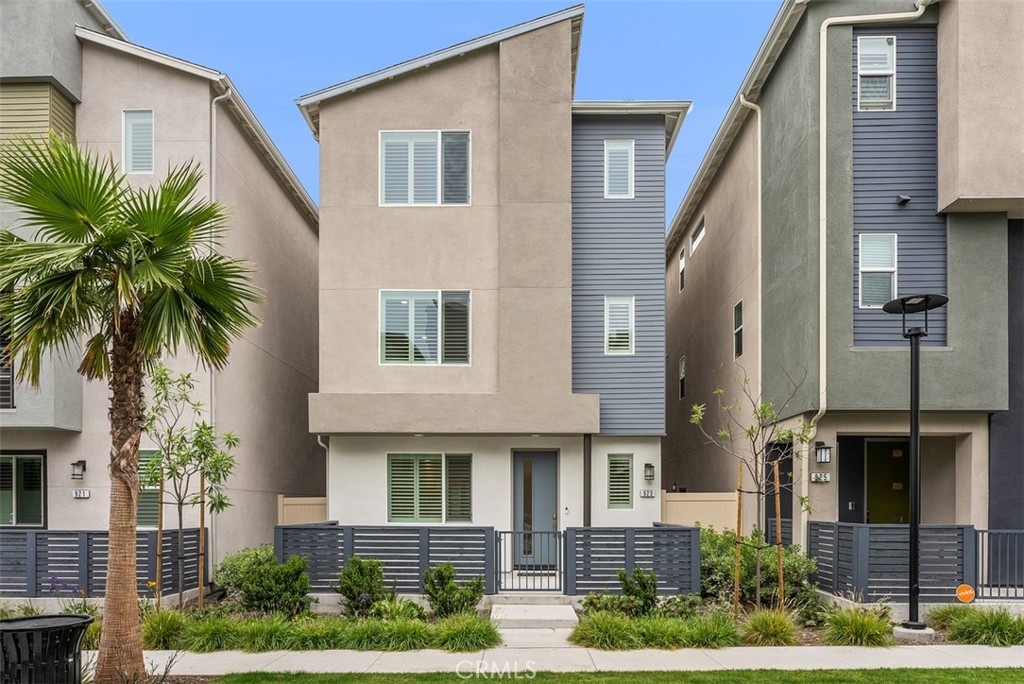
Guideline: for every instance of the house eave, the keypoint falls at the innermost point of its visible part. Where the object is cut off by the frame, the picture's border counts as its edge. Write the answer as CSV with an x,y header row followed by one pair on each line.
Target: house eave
x,y
674,112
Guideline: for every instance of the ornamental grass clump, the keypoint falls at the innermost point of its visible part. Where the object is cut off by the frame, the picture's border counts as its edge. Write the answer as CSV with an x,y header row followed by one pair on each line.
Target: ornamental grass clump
x,y
607,631
769,627
211,634
389,635
987,627
164,630
714,630
318,634
263,634
857,627
943,616
660,632
465,632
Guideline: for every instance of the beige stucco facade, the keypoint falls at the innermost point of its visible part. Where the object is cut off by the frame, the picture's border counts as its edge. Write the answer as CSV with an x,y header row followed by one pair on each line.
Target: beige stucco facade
x,y
980,98
261,395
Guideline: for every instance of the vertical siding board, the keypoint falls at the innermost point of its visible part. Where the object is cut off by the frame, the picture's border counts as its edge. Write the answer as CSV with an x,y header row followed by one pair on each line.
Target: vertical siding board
x,y
895,153
618,248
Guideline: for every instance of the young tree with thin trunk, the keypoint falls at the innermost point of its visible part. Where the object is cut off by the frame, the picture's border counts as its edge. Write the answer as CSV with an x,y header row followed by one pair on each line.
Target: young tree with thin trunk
x,y
126,274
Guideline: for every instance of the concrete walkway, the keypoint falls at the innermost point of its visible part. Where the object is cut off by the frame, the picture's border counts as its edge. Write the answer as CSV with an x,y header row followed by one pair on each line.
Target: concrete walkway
x,y
548,650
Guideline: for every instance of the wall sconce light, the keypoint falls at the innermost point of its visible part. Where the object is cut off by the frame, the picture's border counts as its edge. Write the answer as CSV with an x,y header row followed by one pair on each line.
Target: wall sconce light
x,y
77,470
648,471
822,452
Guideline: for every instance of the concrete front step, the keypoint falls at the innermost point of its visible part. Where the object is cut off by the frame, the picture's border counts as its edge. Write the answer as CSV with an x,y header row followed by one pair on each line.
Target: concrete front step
x,y
534,616
530,599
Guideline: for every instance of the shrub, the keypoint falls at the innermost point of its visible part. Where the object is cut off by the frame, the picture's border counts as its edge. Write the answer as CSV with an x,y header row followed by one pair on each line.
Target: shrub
x,y
446,596
389,635
465,632
361,585
237,567
263,634
278,588
987,627
857,627
679,606
211,634
660,632
610,603
943,616
91,640
770,628
608,631
163,630
318,634
394,608
641,587
717,562
714,630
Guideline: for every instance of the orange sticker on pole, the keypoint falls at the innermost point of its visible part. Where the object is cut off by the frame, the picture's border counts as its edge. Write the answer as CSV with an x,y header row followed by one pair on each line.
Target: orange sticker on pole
x,y
965,592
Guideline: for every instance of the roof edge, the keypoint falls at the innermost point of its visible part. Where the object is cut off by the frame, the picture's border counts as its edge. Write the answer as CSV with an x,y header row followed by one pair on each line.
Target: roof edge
x,y
674,110
243,113
103,18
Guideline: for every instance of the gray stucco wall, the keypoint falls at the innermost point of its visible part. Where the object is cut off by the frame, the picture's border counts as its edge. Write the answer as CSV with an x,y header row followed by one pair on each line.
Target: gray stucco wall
x,y
618,248
37,45
895,153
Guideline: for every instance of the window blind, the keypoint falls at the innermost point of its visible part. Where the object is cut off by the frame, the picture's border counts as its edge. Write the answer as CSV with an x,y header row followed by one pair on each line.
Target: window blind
x,y
455,327
148,511
618,168
414,487
876,65
455,167
424,167
620,480
459,488
877,268
424,327
138,142
618,311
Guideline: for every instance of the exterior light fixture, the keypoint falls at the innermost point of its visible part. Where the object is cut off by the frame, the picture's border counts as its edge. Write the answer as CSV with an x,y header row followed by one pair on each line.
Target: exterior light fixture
x,y
648,471
78,470
903,306
822,452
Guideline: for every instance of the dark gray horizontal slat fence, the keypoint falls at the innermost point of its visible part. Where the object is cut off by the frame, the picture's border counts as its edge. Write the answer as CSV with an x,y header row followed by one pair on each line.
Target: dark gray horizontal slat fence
x,y
406,552
31,561
594,555
871,561
787,531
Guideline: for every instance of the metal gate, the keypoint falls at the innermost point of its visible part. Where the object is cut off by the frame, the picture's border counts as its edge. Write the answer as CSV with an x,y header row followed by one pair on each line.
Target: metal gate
x,y
529,561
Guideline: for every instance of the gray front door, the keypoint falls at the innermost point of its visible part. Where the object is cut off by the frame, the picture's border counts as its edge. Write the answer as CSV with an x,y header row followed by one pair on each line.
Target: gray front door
x,y
536,507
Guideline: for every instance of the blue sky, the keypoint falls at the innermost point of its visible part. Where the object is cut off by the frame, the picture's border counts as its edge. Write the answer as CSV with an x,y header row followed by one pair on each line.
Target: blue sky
x,y
275,51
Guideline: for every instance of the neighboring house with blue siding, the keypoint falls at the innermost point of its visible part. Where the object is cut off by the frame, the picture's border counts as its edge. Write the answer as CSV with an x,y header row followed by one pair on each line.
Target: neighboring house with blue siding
x,y
491,296
923,192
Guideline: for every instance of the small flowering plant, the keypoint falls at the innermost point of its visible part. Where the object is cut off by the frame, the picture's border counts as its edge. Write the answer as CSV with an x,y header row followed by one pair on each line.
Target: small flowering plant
x,y
73,598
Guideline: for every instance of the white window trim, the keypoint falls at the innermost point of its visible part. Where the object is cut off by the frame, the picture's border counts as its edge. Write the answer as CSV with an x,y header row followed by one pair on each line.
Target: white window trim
x,y
875,269
440,168
124,143
737,329
444,486
632,326
695,238
682,267
14,455
876,72
440,321
632,168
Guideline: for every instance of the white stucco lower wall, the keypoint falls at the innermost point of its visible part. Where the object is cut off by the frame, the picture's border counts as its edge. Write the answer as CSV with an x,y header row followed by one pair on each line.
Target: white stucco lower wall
x,y
357,476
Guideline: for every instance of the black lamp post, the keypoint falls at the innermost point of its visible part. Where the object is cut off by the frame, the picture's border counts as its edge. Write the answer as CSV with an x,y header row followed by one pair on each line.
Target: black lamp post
x,y
903,306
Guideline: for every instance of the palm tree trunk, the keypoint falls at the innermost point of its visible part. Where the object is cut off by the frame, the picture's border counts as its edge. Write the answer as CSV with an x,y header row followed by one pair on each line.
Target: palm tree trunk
x,y
120,657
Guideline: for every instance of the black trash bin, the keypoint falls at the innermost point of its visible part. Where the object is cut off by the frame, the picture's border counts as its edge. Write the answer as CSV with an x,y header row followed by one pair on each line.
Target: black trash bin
x,y
42,649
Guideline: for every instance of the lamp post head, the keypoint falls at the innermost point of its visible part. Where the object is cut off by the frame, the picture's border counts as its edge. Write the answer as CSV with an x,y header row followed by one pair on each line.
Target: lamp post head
x,y
912,304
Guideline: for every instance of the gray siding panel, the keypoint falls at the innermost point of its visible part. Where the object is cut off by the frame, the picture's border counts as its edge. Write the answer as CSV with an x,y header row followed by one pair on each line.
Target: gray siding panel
x,y
618,248
895,153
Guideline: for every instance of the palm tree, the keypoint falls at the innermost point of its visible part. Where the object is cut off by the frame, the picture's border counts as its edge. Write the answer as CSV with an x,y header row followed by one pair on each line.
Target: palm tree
x,y
131,273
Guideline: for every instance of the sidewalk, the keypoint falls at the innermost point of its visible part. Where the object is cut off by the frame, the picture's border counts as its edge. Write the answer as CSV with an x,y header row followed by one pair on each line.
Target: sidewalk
x,y
547,650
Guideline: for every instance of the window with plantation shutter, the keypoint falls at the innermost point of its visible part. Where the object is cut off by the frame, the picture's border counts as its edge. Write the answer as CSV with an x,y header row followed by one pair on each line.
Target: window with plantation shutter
x,y
22,489
138,142
682,377
618,324
877,269
620,480
424,327
458,488
6,365
737,330
618,168
149,497
682,269
424,168
876,73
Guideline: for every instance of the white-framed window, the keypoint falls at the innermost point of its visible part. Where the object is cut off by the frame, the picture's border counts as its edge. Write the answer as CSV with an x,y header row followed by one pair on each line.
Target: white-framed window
x,y
424,168
430,487
619,168
737,330
22,489
682,268
878,272
620,480
682,377
425,327
697,236
876,73
137,142
619,324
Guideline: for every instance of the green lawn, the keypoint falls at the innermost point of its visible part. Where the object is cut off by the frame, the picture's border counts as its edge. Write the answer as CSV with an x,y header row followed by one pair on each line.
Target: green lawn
x,y
992,676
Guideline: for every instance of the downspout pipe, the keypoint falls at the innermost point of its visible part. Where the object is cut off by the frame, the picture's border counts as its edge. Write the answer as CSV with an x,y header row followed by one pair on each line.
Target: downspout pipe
x,y
213,196
327,470
919,8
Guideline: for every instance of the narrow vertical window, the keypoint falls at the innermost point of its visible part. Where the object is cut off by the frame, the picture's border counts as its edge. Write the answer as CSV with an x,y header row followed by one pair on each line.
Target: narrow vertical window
x,y
138,144
697,236
876,73
455,168
619,324
22,490
682,268
737,330
6,363
148,514
620,480
877,269
458,488
682,377
618,168
455,327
